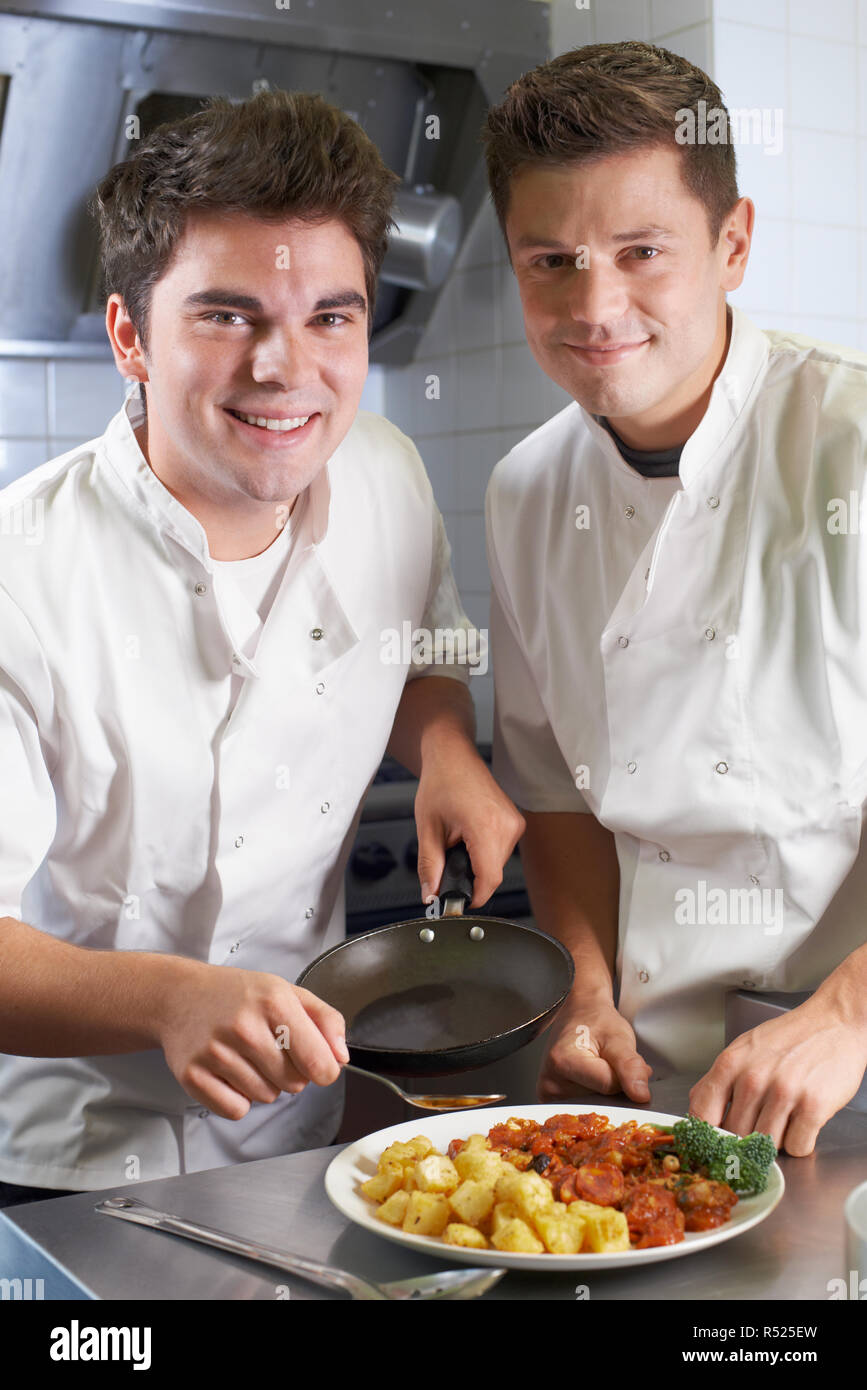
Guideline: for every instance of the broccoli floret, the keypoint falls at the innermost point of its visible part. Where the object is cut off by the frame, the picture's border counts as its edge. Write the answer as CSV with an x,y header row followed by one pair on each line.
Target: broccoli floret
x,y
759,1147
742,1173
696,1142
699,1145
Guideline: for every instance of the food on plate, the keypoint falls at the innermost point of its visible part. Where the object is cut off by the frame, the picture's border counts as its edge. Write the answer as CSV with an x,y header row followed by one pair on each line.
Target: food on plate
x,y
570,1184
744,1164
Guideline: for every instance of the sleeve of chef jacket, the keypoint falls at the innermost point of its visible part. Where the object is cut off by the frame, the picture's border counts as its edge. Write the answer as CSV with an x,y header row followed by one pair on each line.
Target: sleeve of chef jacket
x,y
526,759
28,816
455,644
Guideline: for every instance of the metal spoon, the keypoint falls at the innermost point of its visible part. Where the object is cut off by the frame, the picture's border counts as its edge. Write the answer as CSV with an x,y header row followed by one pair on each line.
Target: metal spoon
x,y
427,1102
451,1283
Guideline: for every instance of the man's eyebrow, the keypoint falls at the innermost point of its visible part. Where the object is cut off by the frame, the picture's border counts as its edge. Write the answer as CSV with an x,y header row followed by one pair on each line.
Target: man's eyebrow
x,y
339,299
224,296
659,233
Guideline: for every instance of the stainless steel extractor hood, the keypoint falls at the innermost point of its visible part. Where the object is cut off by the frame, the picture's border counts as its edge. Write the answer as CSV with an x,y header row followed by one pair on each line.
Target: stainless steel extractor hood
x,y
73,71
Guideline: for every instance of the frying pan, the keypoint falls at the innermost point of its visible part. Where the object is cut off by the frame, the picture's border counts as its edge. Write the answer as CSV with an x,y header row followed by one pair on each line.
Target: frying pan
x,y
441,995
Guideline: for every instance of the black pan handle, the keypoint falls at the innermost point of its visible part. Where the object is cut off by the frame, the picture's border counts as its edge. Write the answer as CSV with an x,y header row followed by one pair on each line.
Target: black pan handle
x,y
457,880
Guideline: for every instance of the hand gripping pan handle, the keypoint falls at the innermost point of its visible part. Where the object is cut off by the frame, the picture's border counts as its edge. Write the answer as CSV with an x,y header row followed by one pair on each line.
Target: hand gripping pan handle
x,y
456,884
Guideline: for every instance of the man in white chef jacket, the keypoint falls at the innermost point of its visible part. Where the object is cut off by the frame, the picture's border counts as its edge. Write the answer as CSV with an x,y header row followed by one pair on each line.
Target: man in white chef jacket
x,y
678,624
193,692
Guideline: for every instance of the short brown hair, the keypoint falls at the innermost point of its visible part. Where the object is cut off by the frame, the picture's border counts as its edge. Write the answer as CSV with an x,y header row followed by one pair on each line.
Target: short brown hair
x,y
276,156
605,99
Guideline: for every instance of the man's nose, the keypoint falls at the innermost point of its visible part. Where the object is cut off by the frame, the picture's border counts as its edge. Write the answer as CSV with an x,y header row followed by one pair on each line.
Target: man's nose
x,y
595,295
282,357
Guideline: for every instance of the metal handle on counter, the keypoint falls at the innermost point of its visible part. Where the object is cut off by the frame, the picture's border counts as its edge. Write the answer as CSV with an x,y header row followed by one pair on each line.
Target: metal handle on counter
x,y
130,1209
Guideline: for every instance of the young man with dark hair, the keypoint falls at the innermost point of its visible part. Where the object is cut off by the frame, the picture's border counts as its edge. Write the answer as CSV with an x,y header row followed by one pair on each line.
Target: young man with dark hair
x,y
193,695
677,626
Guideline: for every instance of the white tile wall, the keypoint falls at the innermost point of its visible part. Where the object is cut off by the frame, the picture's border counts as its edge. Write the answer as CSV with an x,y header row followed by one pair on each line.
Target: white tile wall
x,y
770,14
833,19
808,262
50,405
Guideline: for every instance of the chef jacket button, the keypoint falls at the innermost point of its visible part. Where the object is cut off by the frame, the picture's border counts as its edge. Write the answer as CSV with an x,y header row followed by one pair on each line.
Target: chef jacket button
x,y
317,634
713,502
308,912
623,641
721,767
239,840
326,806
201,589
710,633
235,946
320,687
630,767
203,1114
664,855
643,976
629,511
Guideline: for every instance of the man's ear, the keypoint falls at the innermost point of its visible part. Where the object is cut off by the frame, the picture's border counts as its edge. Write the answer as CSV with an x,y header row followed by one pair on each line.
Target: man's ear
x,y
125,343
736,235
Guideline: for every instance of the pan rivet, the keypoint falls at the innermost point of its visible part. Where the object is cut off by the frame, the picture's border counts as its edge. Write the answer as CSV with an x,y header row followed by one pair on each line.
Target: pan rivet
x,y
477,933
425,934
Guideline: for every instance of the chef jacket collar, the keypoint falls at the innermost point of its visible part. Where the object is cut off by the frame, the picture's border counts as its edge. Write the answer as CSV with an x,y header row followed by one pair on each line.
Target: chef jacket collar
x,y
124,453
744,361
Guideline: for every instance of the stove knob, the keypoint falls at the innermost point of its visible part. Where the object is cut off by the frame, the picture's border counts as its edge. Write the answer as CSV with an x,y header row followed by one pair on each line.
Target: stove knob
x,y
372,861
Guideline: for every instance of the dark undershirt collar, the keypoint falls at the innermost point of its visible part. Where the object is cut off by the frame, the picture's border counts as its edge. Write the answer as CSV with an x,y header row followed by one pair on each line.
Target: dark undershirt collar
x,y
651,463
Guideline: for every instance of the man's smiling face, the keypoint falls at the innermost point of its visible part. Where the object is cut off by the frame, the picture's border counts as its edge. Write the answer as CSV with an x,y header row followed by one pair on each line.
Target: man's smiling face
x,y
652,292
239,325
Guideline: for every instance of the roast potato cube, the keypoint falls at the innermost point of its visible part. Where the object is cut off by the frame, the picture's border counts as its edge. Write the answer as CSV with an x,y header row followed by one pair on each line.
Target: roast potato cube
x,y
436,1174
472,1202
427,1214
561,1235
479,1165
409,1182
397,1153
504,1211
477,1141
382,1184
606,1229
507,1183
516,1235
421,1146
458,1234
393,1210
529,1191
581,1208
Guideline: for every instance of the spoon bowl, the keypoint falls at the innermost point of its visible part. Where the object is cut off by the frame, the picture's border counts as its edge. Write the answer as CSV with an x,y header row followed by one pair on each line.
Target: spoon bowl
x,y
428,1102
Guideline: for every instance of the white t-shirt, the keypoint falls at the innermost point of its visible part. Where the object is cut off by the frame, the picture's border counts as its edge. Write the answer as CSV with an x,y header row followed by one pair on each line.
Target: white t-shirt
x,y
249,587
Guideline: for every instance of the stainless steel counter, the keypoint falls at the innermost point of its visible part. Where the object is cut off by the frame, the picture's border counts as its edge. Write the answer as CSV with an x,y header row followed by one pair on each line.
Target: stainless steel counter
x,y
791,1255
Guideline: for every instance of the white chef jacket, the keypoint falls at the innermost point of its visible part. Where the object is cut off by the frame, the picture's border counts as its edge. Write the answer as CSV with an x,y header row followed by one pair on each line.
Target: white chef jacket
x,y
139,813
686,658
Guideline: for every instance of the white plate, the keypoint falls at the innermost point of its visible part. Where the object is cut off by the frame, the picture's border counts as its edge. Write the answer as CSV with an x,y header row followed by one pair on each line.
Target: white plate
x,y
358,1162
